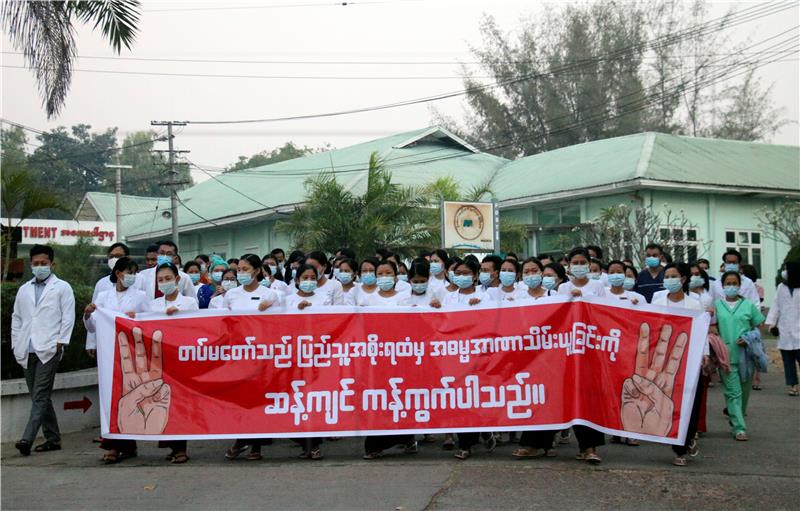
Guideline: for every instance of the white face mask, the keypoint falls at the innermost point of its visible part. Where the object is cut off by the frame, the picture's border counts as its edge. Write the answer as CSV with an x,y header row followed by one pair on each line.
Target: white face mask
x,y
112,261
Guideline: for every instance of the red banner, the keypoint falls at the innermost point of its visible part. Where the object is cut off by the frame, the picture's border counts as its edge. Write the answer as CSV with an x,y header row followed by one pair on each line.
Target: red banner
x,y
346,371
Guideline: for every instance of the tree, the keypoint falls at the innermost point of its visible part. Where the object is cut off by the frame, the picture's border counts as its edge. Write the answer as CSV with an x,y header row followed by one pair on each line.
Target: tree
x,y
21,199
287,151
781,223
385,215
605,69
149,169
623,232
45,33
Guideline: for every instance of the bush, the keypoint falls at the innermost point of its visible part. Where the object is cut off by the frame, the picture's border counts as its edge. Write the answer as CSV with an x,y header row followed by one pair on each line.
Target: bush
x,y
75,357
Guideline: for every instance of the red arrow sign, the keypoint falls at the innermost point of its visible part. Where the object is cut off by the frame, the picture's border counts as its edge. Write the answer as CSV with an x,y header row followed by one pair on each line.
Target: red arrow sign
x,y
78,405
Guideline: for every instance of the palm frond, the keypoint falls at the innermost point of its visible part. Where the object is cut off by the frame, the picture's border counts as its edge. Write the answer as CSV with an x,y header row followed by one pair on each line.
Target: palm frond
x,y
42,31
117,19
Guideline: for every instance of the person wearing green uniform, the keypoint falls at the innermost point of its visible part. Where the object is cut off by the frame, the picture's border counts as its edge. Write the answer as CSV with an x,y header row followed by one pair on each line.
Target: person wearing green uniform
x,y
735,316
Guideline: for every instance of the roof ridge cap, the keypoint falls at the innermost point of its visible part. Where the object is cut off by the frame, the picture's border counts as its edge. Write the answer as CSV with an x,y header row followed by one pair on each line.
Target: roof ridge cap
x,y
645,155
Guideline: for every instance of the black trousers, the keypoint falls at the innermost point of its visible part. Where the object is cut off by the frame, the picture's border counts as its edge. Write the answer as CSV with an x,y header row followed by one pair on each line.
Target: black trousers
x,y
694,419
588,438
254,443
467,440
174,445
537,439
123,446
383,442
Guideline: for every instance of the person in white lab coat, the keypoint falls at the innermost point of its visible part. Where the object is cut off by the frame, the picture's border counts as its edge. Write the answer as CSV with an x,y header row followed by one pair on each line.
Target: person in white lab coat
x,y
114,253
125,298
41,326
325,285
422,293
146,279
784,321
227,282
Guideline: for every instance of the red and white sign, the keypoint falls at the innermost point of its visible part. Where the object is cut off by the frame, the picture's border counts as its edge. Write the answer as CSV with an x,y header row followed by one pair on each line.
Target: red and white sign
x,y
64,232
353,371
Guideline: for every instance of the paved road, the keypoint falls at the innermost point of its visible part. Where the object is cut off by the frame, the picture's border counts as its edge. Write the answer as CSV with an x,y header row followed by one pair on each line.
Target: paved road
x,y
763,473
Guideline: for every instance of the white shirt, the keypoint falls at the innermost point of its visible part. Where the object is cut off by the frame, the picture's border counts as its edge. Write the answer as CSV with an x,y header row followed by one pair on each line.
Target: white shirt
x,y
458,298
785,314
747,290
688,302
146,281
592,288
281,287
375,300
217,302
316,300
437,283
359,294
42,325
239,299
523,296
627,296
501,295
402,285
333,288
103,284
425,299
181,302
350,295
130,300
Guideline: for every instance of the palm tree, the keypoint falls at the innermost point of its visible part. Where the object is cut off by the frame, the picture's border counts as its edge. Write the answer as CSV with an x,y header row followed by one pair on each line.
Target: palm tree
x,y
385,215
45,33
21,198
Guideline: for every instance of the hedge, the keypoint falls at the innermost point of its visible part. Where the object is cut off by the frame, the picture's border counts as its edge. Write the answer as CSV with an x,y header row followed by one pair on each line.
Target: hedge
x,y
75,357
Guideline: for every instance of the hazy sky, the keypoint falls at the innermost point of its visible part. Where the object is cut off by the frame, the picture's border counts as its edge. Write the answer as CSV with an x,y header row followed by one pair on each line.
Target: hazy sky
x,y
301,31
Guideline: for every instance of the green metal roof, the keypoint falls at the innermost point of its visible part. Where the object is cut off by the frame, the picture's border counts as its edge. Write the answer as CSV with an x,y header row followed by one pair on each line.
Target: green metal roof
x,y
421,156
414,158
652,156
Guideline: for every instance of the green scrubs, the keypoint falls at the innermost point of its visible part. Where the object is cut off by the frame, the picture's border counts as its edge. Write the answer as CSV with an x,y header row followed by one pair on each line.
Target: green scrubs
x,y
732,323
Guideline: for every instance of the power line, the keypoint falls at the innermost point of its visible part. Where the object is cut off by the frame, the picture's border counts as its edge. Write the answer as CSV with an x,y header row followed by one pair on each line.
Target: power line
x,y
744,16
351,62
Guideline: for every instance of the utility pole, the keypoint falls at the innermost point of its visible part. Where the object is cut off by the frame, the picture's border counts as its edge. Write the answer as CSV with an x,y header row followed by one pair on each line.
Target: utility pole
x,y
173,196
118,190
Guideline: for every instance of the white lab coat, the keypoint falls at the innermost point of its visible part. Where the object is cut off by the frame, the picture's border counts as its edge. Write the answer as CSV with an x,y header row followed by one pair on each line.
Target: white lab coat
x,y
132,300
785,314
102,285
44,325
146,281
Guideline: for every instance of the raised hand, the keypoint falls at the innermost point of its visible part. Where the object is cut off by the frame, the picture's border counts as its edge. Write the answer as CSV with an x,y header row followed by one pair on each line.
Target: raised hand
x,y
647,403
143,408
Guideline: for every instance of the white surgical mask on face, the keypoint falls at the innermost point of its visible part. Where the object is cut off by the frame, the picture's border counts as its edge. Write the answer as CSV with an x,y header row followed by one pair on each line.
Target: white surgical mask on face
x,y
112,261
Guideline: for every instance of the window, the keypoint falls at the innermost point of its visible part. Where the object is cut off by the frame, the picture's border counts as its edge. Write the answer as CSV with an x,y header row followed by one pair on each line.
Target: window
x,y
566,215
683,243
748,243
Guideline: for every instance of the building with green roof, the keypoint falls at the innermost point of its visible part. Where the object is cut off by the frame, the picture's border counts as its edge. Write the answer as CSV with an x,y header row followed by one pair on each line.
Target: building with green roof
x,y
717,184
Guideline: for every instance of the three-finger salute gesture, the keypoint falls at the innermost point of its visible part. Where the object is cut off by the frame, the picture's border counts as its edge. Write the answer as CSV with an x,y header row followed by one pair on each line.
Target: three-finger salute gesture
x,y
144,406
647,403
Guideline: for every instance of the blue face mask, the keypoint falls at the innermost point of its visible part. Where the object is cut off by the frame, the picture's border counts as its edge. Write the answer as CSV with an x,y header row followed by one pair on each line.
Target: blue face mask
x,y
549,283
652,262
485,278
696,281
40,272
163,259
437,268
731,267
532,281
167,288
579,271
368,279
463,281
629,283
244,278
227,285
344,277
403,277
266,282
673,284
419,288
128,280
731,291
507,278
216,276
307,286
616,279
194,277
451,276
594,276
294,273
385,283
